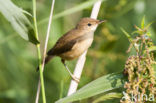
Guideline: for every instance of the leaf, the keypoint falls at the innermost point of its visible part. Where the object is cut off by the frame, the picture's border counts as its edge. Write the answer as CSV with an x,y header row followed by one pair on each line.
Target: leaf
x,y
148,34
127,35
72,10
18,20
107,97
98,86
136,32
136,27
152,48
27,13
143,23
148,25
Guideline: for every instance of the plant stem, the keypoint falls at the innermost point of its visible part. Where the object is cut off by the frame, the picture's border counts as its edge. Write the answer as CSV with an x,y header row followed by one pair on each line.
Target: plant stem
x,y
41,79
39,53
48,33
44,52
81,61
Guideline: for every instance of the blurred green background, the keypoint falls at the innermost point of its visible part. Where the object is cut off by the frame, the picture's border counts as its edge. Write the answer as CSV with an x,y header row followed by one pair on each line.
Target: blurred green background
x,y
18,58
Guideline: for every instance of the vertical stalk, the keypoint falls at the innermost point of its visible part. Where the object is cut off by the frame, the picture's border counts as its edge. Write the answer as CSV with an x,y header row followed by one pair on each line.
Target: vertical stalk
x,y
39,53
81,61
44,54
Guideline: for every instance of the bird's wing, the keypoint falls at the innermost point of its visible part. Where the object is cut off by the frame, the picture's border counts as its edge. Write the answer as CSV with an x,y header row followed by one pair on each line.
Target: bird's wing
x,y
59,48
64,44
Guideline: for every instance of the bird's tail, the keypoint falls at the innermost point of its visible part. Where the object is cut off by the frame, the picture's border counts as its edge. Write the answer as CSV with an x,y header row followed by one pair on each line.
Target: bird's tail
x,y
47,59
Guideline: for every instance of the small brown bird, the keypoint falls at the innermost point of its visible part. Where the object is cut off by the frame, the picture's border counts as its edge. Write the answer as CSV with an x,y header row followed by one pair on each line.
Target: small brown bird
x,y
75,42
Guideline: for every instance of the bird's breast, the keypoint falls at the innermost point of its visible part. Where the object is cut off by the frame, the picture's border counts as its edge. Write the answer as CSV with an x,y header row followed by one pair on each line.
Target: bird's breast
x,y
78,49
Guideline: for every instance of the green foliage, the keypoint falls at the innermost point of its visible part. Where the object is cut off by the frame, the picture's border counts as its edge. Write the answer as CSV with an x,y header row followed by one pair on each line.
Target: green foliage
x,y
18,58
107,97
140,67
101,85
18,20
127,35
143,23
152,48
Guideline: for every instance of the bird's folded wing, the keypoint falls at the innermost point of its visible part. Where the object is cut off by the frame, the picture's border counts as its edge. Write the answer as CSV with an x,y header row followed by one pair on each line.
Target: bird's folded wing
x,y
62,47
66,42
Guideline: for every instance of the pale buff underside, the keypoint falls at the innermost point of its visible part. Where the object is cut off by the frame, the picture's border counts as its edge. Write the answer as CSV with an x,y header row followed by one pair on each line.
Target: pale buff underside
x,y
78,49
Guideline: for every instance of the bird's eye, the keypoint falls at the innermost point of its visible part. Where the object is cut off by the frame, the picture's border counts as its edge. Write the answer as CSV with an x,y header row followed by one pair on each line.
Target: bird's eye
x,y
89,24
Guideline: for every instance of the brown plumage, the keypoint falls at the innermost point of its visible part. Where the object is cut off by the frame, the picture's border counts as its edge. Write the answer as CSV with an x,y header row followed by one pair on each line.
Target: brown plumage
x,y
72,44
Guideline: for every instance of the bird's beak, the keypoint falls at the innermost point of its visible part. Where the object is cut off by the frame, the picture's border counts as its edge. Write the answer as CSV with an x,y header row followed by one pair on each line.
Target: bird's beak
x,y
102,21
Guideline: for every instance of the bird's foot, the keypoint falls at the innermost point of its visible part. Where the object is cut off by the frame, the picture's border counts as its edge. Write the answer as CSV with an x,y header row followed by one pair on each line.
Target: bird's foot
x,y
75,79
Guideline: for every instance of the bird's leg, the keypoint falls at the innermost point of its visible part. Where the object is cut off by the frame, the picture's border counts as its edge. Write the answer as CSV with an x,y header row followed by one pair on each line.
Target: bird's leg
x,y
73,77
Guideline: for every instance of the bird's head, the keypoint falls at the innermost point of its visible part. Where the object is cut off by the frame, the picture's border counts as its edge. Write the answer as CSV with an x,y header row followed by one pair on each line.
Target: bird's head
x,y
89,24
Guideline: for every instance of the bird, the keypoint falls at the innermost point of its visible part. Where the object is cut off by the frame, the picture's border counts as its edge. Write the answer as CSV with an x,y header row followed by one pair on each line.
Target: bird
x,y
75,42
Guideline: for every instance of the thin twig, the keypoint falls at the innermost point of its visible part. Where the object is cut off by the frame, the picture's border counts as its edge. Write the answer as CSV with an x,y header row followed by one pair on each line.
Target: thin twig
x,y
82,58
45,48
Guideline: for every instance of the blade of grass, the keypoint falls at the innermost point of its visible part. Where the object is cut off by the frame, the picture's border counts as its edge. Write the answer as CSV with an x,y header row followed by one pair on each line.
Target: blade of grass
x,y
98,86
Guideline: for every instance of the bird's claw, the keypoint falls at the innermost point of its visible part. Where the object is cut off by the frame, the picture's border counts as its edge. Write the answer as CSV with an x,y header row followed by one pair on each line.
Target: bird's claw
x,y
75,79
